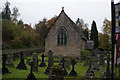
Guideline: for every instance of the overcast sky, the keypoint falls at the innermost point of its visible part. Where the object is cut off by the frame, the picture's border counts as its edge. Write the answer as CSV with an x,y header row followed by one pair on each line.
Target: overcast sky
x,y
32,11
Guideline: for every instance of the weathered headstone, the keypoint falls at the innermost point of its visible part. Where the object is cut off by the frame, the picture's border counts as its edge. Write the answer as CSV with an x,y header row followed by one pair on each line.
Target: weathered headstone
x,y
28,61
35,62
50,62
56,73
96,66
21,64
102,60
73,73
87,60
108,73
4,69
42,64
10,61
63,66
67,63
31,75
90,73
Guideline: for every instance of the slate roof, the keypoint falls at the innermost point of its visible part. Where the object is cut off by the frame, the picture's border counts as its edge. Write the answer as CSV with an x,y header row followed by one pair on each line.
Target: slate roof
x,y
75,26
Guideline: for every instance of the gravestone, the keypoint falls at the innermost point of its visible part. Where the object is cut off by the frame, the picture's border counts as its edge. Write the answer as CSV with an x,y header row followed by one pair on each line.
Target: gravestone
x,y
50,62
107,73
42,64
56,73
31,75
28,61
67,63
90,73
10,61
87,60
35,62
96,66
63,66
102,60
4,69
21,64
73,73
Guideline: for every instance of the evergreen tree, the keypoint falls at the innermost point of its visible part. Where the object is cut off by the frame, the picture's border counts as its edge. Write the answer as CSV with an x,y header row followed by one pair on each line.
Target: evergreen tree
x,y
94,34
86,33
6,12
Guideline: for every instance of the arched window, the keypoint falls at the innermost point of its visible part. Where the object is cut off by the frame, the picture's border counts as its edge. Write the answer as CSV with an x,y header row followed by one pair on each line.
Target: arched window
x,y
62,36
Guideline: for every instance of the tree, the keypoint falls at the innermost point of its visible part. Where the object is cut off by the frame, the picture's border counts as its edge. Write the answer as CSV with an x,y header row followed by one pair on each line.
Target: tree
x,y
107,27
104,42
86,33
20,22
94,34
6,13
15,14
83,25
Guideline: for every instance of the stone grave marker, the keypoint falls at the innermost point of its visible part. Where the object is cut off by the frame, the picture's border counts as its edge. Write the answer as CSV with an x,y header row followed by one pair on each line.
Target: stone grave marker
x,y
4,69
90,73
73,73
102,60
35,62
63,66
67,63
96,66
31,75
50,62
42,64
10,61
28,61
21,64
86,63
107,73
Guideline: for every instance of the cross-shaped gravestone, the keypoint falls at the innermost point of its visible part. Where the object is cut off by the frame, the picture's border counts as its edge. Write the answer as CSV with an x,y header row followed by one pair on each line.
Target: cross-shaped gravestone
x,y
31,69
31,75
10,60
21,64
4,69
50,62
63,66
73,73
96,66
42,64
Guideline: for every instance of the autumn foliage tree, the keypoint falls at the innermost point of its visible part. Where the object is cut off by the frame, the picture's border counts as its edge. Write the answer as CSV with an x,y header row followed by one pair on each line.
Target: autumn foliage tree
x,y
43,27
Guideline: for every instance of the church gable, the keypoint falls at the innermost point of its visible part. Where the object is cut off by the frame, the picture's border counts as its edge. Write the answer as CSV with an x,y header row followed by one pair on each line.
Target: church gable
x,y
64,37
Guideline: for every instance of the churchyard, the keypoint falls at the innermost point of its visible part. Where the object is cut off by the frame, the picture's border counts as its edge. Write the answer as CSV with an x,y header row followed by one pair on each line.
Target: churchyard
x,y
42,66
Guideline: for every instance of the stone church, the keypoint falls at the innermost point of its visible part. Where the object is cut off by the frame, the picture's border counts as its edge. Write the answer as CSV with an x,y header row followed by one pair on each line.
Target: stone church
x,y
65,38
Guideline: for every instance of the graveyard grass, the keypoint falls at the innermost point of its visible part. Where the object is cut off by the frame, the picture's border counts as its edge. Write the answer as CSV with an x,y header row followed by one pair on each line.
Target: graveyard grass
x,y
16,73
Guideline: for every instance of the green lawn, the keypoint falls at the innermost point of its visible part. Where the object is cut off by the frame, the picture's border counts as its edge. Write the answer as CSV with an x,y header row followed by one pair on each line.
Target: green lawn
x,y
79,68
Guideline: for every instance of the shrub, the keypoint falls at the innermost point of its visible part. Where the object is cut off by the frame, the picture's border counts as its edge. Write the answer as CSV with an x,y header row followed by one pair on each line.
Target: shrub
x,y
84,53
